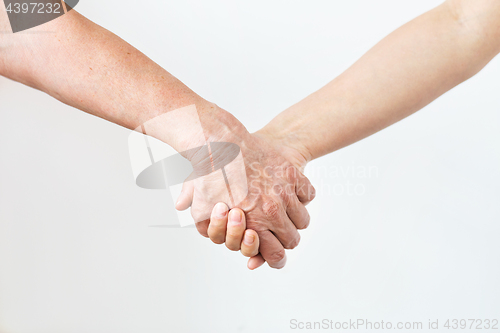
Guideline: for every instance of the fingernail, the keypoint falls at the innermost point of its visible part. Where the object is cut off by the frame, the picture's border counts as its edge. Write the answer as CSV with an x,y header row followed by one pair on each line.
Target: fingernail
x,y
235,217
220,210
248,239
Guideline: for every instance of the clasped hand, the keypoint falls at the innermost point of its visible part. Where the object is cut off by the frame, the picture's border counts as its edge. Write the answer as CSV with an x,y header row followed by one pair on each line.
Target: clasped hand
x,y
266,221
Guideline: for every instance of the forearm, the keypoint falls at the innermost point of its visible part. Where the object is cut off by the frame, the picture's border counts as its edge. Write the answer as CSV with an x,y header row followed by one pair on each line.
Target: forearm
x,y
90,68
404,72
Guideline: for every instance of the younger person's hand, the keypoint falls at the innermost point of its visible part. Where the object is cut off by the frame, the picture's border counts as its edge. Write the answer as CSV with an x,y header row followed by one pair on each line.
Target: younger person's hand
x,y
229,227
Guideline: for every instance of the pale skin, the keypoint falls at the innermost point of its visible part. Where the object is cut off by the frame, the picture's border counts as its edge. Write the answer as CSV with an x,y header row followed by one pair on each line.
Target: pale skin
x,y
400,75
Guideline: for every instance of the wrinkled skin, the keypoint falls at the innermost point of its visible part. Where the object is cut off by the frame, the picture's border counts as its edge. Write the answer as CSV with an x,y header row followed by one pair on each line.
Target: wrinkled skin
x,y
277,190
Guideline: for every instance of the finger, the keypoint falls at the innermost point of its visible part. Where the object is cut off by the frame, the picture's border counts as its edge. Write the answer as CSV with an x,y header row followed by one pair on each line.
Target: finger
x,y
218,222
255,262
297,212
280,225
186,197
250,244
271,250
202,227
303,187
235,229
288,235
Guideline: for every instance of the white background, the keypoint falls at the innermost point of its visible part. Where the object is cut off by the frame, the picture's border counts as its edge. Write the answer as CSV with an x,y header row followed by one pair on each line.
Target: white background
x,y
421,242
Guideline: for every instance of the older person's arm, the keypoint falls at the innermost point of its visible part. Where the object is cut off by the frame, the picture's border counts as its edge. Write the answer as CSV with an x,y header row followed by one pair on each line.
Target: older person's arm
x,y
90,68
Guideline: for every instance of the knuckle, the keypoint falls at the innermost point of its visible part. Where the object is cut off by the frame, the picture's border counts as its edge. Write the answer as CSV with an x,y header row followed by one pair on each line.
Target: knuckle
x,y
271,209
305,222
276,256
312,192
293,243
257,226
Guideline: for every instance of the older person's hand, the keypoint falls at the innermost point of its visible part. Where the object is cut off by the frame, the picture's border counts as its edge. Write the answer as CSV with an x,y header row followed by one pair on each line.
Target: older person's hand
x,y
277,190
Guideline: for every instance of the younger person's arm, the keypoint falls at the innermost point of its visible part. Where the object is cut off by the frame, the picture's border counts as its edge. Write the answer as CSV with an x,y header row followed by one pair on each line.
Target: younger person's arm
x,y
404,72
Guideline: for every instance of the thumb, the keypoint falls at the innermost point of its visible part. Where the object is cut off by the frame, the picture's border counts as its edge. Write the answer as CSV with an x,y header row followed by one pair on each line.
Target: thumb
x,y
255,262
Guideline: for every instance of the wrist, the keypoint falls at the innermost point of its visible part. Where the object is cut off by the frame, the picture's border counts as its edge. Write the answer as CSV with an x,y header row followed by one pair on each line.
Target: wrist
x,y
288,143
221,126
194,126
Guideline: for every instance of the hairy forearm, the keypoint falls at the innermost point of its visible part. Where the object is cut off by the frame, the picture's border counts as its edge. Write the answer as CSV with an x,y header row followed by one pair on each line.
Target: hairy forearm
x,y
403,73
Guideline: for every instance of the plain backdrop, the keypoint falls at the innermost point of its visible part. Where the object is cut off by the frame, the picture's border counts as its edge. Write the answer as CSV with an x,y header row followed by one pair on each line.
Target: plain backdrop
x,y
405,226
